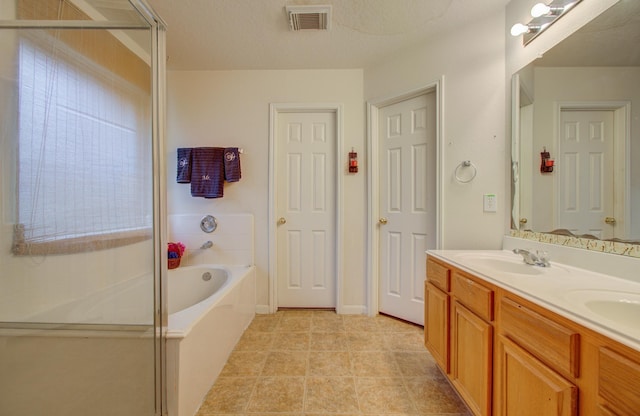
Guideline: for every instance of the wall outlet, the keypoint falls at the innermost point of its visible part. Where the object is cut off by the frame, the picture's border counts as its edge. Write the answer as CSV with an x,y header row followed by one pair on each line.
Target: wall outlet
x,y
490,203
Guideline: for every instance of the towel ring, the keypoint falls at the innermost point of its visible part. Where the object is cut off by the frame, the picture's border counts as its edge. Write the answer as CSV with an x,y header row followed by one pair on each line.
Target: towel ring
x,y
465,164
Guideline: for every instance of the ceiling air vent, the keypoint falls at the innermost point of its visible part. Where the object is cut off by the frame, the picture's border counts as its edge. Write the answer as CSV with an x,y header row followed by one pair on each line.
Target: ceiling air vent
x,y
309,17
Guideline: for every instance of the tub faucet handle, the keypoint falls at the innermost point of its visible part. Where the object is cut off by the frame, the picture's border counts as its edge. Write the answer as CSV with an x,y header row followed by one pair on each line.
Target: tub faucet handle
x,y
207,244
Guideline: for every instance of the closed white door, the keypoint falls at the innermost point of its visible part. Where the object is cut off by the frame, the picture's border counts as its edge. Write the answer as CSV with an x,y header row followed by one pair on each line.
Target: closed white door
x,y
306,210
585,172
407,224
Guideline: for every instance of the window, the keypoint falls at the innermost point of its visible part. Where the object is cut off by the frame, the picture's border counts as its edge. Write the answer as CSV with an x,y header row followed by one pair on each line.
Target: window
x,y
84,171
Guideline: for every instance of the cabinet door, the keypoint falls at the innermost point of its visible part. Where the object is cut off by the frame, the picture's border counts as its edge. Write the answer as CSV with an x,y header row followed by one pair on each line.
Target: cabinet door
x,y
471,358
436,325
530,388
619,382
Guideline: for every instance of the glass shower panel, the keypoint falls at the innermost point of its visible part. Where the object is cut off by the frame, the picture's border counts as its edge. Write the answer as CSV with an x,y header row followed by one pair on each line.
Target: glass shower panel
x,y
78,248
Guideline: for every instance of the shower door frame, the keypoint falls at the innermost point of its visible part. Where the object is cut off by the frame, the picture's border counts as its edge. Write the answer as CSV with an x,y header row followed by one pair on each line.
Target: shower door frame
x,y
157,28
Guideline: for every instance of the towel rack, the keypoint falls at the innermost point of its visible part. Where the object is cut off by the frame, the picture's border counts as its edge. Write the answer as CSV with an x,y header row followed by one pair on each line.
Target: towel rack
x,y
465,164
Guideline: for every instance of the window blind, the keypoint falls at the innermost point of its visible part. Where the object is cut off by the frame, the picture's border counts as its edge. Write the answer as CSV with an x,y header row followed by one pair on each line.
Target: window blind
x,y
84,168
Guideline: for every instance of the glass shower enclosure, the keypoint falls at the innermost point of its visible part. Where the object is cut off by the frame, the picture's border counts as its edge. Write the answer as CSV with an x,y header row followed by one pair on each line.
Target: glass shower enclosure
x,y
82,245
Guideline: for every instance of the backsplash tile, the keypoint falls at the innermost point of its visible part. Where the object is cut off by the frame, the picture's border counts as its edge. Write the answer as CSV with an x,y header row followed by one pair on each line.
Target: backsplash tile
x,y
233,239
602,246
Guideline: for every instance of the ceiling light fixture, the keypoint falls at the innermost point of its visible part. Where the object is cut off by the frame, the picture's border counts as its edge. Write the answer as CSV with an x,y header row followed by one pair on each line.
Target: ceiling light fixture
x,y
542,9
544,15
520,29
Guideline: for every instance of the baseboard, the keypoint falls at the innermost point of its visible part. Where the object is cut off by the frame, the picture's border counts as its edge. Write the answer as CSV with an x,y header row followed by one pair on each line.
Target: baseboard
x,y
262,309
345,310
353,310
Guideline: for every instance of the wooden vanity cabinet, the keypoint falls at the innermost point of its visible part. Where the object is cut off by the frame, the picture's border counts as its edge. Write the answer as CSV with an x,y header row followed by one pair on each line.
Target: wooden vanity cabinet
x,y
436,313
458,332
618,383
472,341
506,355
537,359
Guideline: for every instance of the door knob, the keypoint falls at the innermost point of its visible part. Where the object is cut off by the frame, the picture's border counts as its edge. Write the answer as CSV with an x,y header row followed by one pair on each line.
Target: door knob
x,y
382,220
281,221
523,220
610,220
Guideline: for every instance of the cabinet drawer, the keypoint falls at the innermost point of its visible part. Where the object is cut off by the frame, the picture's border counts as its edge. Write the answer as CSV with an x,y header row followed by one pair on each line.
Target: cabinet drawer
x,y
473,295
552,343
438,275
619,382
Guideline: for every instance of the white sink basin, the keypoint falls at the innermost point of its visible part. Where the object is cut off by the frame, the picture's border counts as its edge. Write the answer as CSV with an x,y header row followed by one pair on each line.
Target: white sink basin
x,y
621,308
502,262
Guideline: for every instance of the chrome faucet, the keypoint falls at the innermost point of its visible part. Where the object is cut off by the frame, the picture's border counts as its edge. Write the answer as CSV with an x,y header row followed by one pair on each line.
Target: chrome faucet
x,y
208,244
539,258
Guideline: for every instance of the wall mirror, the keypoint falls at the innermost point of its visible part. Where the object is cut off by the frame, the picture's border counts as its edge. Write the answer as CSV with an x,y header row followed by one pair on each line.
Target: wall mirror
x,y
576,133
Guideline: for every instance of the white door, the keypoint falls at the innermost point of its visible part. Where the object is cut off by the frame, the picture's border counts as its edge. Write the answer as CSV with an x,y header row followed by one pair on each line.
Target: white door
x,y
585,172
306,209
407,224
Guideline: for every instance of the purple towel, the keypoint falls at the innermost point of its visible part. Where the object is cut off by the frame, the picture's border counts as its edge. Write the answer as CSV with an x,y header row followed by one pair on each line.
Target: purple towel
x,y
207,172
232,164
183,174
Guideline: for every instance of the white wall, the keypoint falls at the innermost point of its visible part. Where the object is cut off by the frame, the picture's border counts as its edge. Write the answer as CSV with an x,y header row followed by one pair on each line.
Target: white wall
x,y
472,63
231,108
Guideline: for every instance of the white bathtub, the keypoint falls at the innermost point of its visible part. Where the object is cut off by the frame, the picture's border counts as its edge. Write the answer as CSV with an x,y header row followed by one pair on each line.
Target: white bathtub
x,y
206,320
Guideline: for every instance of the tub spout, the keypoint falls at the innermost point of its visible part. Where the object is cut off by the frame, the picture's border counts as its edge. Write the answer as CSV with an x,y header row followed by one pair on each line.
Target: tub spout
x,y
207,244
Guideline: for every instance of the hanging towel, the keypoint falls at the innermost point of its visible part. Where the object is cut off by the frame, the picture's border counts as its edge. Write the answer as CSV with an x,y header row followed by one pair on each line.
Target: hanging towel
x,y
184,165
232,164
207,172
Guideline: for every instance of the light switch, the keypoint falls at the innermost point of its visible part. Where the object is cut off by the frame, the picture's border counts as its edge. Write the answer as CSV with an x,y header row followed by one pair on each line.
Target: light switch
x,y
490,203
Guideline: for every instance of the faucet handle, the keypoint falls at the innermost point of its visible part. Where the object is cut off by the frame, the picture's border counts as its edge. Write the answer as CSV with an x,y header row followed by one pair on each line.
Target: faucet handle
x,y
543,257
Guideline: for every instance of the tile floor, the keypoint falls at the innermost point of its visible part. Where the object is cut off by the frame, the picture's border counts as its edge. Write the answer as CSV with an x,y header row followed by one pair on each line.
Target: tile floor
x,y
317,362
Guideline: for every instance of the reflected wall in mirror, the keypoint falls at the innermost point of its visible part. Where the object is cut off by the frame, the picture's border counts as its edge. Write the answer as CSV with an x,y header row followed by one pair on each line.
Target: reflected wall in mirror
x,y
580,102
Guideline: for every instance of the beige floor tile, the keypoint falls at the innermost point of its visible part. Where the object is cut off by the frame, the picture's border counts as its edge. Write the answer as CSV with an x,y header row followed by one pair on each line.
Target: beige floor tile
x,y
294,323
264,323
317,363
228,395
244,363
291,341
389,324
374,364
404,341
383,396
255,341
286,363
366,341
331,395
360,323
416,364
329,363
277,394
434,396
328,341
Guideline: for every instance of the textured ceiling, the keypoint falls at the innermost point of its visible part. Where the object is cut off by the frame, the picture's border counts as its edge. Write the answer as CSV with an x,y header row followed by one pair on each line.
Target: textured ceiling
x,y
254,34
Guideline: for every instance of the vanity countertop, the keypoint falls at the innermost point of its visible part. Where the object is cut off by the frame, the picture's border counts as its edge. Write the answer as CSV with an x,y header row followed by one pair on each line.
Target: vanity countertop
x,y
606,304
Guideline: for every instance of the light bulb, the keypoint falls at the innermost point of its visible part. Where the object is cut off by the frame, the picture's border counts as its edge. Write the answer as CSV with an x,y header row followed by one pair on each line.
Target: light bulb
x,y
519,29
540,9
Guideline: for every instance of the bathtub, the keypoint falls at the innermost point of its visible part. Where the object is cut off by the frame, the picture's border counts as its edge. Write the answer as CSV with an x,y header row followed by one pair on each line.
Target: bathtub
x,y
206,319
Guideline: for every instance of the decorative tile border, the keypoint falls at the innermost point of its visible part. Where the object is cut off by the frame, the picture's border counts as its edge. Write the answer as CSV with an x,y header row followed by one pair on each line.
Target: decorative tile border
x,y
612,247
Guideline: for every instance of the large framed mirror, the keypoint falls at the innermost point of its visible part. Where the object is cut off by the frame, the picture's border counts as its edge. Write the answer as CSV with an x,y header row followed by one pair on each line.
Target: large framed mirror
x,y
576,127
